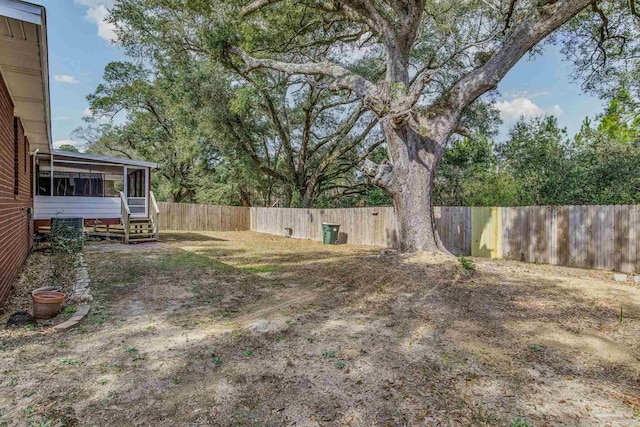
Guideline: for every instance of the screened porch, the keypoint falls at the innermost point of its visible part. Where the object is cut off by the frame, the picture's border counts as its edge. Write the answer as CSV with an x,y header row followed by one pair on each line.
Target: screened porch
x,y
89,186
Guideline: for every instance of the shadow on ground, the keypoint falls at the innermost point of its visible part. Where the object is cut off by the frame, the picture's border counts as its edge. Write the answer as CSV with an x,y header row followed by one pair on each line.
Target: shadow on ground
x,y
175,236
247,329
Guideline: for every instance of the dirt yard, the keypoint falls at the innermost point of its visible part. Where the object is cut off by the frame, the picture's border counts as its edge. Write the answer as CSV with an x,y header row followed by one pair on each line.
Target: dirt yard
x,y
243,329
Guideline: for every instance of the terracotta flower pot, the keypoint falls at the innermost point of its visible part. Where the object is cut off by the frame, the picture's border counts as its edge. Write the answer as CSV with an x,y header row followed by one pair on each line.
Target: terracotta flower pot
x,y
46,304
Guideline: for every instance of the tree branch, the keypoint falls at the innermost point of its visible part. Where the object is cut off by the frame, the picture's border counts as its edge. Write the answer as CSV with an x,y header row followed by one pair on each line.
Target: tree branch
x,y
540,22
380,175
117,150
339,134
462,131
256,5
417,87
335,154
375,17
634,10
369,150
342,78
507,21
353,10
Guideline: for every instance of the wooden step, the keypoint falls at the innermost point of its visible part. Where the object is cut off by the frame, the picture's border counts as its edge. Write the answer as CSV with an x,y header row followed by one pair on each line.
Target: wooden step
x,y
148,230
121,227
138,220
140,235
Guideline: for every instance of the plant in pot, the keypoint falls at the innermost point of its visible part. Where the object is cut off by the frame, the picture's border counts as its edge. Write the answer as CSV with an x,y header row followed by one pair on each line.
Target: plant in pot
x,y
66,244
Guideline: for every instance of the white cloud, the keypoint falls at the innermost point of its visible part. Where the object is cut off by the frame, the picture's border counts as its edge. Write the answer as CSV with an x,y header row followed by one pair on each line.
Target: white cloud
x,y
98,13
513,110
58,143
64,78
61,118
555,110
525,94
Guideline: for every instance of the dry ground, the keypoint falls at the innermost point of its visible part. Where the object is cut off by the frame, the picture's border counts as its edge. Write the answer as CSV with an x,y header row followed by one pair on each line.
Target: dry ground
x,y
243,329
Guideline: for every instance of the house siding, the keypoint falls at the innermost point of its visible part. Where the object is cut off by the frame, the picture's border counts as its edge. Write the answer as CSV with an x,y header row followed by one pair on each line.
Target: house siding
x,y
15,194
47,207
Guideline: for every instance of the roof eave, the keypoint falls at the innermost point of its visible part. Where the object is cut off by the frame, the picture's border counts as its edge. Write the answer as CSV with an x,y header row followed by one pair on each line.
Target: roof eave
x,y
34,14
44,55
95,157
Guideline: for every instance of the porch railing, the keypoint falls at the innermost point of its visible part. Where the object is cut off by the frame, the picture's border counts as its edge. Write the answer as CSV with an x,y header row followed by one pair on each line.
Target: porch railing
x,y
125,211
155,215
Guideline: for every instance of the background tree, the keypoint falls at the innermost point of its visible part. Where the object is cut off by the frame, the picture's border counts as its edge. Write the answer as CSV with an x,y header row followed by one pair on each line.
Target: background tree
x,y
472,174
302,139
538,164
134,116
273,138
535,153
68,147
604,159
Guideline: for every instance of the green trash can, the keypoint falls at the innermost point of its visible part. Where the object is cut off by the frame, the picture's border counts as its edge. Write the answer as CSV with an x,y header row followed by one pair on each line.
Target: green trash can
x,y
330,233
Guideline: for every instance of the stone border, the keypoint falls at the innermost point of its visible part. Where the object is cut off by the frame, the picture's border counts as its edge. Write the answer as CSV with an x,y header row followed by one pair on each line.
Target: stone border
x,y
79,293
80,314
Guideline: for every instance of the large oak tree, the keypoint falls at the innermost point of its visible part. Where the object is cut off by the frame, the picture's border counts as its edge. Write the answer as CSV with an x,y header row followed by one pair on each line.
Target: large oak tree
x,y
429,61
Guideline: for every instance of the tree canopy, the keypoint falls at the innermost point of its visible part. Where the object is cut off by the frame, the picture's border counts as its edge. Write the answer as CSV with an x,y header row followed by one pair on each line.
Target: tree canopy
x,y
289,97
538,164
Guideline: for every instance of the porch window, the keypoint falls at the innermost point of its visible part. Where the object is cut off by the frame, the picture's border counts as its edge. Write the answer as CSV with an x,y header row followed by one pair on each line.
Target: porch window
x,y
136,190
79,180
136,183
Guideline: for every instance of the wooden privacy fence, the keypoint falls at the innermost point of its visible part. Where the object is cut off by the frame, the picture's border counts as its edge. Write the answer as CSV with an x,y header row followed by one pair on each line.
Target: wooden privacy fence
x,y
358,226
361,226
600,237
181,216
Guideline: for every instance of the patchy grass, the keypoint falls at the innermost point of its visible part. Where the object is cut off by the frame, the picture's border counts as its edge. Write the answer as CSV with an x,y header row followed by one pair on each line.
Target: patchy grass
x,y
248,329
466,263
188,260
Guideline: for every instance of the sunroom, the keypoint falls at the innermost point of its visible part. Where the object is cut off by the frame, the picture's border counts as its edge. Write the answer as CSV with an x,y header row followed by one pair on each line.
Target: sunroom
x,y
103,191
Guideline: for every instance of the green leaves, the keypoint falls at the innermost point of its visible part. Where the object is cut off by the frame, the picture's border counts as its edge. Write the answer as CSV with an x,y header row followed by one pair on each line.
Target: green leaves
x,y
538,164
242,101
218,38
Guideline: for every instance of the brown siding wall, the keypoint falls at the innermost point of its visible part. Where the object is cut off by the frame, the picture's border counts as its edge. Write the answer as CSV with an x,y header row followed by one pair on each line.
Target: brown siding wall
x,y
15,227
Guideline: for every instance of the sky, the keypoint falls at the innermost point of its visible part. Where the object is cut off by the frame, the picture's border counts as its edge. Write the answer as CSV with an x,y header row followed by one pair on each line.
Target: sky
x,y
79,48
80,45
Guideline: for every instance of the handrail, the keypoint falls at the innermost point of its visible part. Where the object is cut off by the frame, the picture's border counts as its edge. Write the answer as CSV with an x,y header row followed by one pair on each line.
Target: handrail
x,y
125,211
155,215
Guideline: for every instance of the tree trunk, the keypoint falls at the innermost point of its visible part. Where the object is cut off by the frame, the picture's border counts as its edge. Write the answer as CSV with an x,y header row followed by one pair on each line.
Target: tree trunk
x,y
309,191
245,198
306,201
288,197
415,160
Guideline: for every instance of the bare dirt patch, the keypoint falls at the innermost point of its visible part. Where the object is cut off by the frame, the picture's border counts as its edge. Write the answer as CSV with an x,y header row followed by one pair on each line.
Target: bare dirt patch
x,y
248,329
36,273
